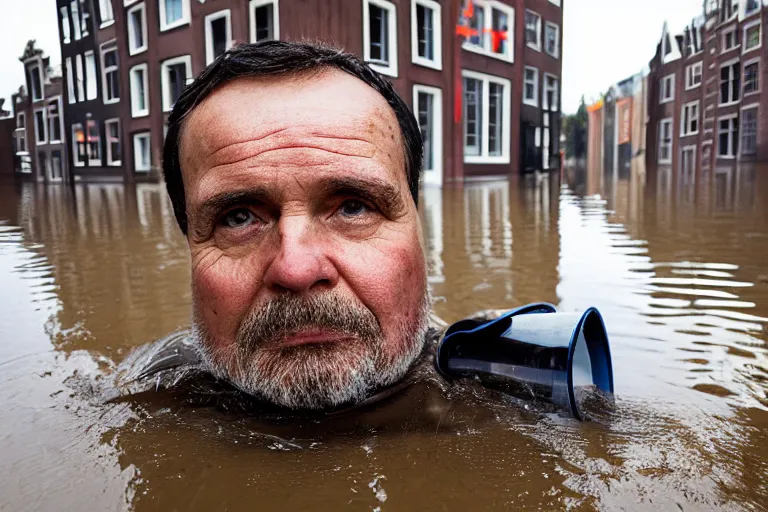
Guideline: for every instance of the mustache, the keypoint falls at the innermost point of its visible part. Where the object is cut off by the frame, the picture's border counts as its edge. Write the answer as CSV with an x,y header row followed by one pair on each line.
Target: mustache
x,y
288,314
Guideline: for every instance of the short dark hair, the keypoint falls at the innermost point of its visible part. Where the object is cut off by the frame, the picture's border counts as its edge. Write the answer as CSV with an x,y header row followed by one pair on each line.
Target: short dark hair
x,y
271,58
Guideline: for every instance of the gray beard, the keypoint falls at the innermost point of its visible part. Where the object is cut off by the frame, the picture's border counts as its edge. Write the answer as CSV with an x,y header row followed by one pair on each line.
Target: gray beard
x,y
316,376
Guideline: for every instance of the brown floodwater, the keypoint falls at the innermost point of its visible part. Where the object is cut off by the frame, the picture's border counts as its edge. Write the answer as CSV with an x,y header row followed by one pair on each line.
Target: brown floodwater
x,y
679,270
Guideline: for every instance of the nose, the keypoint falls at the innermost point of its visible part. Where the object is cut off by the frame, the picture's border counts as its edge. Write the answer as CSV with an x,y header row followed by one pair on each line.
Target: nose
x,y
300,264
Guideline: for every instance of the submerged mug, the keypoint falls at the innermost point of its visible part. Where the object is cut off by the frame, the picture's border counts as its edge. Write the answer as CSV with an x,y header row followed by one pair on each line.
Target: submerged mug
x,y
533,351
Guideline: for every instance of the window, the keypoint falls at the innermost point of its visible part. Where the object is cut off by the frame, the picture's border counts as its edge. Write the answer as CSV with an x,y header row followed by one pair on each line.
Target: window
x,y
71,98
751,7
56,170
551,100
173,13
142,155
84,17
730,41
65,29
265,20
428,107
112,133
533,30
21,120
426,34
54,120
106,13
689,124
752,36
21,135
531,87
76,20
486,118
137,29
552,40
174,74
35,82
556,2
749,131
110,77
730,83
79,78
752,77
78,140
94,142
139,97
92,90
380,36
218,34
728,136
693,76
667,89
489,28
665,141
41,128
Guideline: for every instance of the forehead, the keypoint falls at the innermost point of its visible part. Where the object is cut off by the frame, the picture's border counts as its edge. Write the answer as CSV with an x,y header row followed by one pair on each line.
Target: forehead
x,y
325,110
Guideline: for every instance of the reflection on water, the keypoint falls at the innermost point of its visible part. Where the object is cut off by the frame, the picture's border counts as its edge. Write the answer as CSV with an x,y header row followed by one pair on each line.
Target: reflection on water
x,y
677,266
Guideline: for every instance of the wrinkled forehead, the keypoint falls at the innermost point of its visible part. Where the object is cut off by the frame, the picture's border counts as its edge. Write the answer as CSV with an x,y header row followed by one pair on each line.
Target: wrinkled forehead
x,y
327,103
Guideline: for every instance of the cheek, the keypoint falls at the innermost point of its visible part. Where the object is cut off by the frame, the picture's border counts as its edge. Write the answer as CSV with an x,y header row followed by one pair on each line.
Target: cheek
x,y
223,293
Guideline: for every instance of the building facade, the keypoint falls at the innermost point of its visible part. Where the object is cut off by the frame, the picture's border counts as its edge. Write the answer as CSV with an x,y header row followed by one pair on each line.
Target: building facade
x,y
39,147
706,94
483,77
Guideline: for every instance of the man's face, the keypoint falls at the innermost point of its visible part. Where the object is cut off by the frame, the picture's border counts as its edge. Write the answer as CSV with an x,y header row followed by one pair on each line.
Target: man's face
x,y
308,271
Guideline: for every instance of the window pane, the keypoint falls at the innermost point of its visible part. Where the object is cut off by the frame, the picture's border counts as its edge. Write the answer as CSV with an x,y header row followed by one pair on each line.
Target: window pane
x,y
426,115
173,10
477,23
40,125
532,28
495,127
499,34
219,36
264,23
137,28
472,116
379,49
749,132
177,79
425,28
751,78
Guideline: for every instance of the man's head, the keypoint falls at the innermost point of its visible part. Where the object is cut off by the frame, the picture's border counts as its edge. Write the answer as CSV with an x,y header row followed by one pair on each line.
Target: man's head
x,y
293,171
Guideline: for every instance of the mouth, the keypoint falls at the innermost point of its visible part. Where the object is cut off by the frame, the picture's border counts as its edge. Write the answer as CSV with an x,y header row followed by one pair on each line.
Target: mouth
x,y
313,337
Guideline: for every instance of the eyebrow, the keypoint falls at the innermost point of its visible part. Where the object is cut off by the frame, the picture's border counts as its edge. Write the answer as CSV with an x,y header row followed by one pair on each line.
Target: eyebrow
x,y
211,207
381,193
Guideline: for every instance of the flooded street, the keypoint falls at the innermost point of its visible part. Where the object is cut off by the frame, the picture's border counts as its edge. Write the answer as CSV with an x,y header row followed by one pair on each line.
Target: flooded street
x,y
678,269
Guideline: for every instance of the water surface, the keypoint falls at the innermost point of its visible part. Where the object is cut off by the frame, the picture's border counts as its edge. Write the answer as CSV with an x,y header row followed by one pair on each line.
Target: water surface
x,y
679,270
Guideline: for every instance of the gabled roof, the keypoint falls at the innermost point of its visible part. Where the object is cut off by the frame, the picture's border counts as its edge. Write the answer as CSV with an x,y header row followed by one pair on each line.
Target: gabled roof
x,y
670,48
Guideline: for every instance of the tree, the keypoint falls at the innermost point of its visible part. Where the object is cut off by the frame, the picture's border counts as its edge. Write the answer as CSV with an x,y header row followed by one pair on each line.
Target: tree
x,y
575,129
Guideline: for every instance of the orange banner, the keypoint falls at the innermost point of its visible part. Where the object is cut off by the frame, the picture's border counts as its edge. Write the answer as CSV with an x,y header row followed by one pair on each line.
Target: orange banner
x,y
624,110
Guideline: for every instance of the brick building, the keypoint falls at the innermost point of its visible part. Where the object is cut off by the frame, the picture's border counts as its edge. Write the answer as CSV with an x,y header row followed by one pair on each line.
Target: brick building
x,y
488,101
705,94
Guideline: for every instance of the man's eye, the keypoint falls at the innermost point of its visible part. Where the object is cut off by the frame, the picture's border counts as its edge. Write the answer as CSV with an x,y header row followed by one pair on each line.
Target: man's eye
x,y
353,208
239,218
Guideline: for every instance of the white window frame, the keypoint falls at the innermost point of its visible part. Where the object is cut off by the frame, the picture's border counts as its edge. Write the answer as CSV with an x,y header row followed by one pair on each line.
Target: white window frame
x,y
80,75
483,157
165,83
126,3
184,20
549,24
75,153
71,93
391,68
671,123
744,65
433,176
36,68
756,107
685,120
136,156
108,47
747,26
91,82
66,28
488,6
437,33
539,31
135,110
662,99
106,5
690,73
110,161
730,30
60,115
75,17
731,155
44,111
544,102
252,5
533,102
209,19
732,101
132,48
